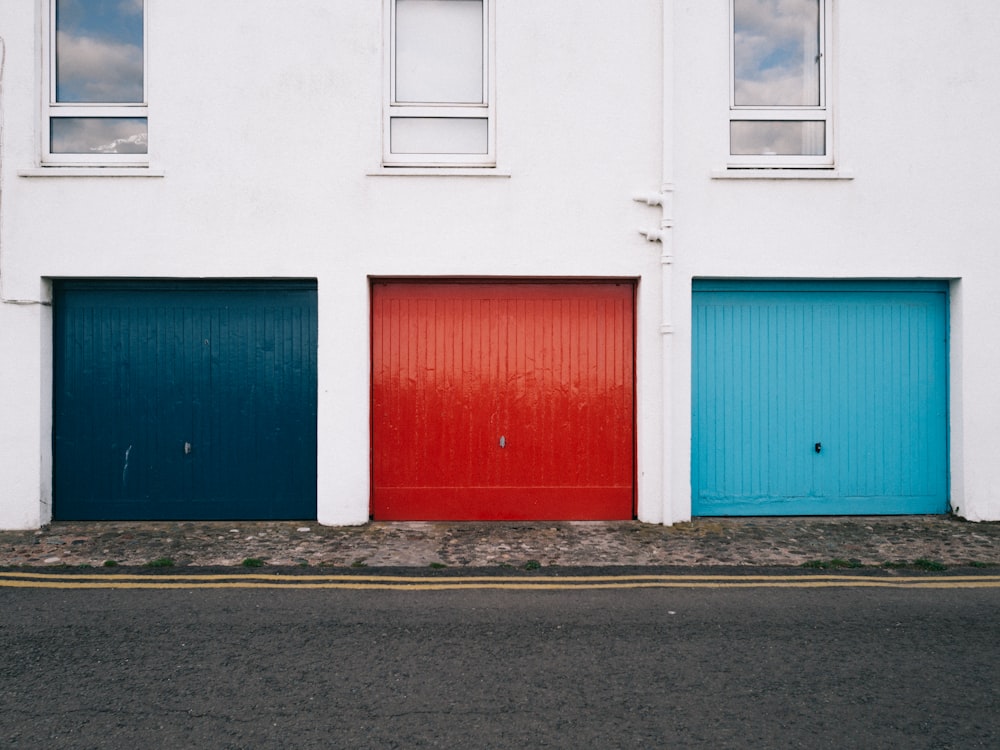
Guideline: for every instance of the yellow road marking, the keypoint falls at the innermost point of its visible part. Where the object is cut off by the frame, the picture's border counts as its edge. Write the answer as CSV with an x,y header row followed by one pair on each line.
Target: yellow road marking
x,y
451,583
286,577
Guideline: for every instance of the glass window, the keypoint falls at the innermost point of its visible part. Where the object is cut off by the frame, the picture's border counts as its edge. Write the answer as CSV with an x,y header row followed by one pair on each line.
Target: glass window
x,y
98,51
439,103
776,53
778,137
439,51
438,135
779,114
96,63
98,135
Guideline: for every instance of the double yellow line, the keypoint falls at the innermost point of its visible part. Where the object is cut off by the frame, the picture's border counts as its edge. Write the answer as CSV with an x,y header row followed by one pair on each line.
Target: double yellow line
x,y
239,580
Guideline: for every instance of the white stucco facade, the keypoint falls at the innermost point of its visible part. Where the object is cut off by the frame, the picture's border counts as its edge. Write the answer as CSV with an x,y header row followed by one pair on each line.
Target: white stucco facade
x,y
264,154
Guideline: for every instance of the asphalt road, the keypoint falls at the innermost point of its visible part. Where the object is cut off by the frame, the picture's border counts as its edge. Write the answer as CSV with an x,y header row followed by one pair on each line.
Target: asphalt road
x,y
678,668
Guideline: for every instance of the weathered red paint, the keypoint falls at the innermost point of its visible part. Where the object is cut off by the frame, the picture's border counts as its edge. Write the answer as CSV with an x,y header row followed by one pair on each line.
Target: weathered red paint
x,y
510,401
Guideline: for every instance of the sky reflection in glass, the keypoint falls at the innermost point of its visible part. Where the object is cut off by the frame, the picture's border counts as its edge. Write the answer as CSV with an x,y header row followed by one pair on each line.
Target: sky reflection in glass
x,y
98,135
99,56
776,53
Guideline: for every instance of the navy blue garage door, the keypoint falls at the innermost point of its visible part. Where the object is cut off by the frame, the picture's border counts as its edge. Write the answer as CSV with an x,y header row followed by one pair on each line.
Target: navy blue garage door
x,y
184,400
819,398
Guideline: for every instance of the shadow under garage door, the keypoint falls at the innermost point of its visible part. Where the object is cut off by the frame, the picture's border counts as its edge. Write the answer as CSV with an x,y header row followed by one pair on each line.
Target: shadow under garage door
x,y
816,398
184,400
502,401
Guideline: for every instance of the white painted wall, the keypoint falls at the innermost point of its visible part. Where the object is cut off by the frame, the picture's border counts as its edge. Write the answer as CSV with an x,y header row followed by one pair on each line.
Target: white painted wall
x,y
265,124
25,487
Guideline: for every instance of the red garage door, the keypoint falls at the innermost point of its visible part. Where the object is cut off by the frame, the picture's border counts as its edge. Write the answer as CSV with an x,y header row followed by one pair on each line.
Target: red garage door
x,y
502,401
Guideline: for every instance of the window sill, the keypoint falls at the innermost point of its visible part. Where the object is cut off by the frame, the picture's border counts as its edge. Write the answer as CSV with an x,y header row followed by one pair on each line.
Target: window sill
x,y
781,173
439,172
90,172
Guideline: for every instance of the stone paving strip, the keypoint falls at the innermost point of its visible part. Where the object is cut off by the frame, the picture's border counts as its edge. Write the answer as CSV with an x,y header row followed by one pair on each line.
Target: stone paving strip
x,y
887,541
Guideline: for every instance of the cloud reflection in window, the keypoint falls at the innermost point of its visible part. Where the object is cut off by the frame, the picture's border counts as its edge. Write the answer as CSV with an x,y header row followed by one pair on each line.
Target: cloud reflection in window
x,y
99,135
99,56
776,52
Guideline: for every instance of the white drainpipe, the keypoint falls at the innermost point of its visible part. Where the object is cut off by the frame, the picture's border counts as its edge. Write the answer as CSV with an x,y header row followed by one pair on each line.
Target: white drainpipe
x,y
664,235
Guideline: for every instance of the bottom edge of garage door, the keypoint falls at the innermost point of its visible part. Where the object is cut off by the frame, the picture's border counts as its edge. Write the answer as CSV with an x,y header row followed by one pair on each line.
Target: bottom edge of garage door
x,y
502,504
160,511
820,506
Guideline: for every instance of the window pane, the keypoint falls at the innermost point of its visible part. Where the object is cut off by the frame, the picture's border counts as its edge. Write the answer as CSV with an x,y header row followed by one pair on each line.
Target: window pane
x,y
777,137
776,52
98,135
98,51
438,135
439,51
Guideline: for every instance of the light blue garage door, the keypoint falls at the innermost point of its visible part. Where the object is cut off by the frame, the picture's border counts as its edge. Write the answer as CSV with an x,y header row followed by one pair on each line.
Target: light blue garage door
x,y
819,398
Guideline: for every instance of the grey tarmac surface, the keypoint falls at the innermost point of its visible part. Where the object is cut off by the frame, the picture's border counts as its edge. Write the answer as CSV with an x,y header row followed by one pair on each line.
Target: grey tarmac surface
x,y
679,668
888,541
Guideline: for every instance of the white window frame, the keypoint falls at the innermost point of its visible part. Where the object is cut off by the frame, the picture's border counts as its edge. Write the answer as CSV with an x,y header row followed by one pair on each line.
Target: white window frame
x,y
812,113
52,109
392,108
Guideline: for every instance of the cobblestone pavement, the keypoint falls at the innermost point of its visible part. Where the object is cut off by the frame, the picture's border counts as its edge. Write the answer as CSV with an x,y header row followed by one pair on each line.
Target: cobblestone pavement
x,y
843,541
